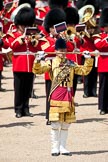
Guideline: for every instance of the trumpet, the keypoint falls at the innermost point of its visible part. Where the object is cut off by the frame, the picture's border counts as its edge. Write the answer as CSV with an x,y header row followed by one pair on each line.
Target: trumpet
x,y
78,31
70,33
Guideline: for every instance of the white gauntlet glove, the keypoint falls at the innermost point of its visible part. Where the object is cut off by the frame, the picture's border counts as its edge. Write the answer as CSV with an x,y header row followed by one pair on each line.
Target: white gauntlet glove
x,y
86,54
96,52
40,55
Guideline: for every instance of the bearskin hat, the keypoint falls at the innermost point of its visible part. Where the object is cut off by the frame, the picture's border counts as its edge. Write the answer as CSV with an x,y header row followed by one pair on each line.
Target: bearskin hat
x,y
31,2
60,44
95,3
25,16
104,18
53,17
1,5
72,16
58,3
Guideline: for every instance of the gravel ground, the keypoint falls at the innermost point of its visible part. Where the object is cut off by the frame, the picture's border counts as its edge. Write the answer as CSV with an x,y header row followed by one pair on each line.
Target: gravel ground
x,y
28,139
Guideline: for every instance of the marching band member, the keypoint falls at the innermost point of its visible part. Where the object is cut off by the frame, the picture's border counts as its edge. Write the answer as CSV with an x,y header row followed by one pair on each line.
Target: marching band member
x,y
101,43
1,66
89,81
47,44
22,60
41,8
62,110
20,3
1,43
6,14
73,41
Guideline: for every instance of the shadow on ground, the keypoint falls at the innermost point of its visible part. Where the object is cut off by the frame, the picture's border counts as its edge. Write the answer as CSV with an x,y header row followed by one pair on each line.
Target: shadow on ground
x,y
23,124
91,120
7,108
40,114
88,104
90,152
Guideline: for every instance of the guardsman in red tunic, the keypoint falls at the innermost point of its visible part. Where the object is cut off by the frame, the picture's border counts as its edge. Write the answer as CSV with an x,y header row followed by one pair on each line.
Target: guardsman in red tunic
x,y
1,43
1,65
90,81
73,42
6,12
22,60
47,44
41,8
101,43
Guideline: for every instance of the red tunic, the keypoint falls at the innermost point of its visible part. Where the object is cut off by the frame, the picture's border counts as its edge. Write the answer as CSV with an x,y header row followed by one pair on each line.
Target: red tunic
x,y
101,44
71,45
87,45
1,61
47,44
41,10
23,54
6,21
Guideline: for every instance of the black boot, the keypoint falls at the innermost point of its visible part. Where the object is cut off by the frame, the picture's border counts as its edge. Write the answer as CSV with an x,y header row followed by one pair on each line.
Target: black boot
x,y
18,115
27,113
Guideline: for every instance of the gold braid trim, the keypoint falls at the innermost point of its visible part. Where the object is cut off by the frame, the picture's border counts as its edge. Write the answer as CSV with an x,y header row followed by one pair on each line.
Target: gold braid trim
x,y
60,103
63,117
62,75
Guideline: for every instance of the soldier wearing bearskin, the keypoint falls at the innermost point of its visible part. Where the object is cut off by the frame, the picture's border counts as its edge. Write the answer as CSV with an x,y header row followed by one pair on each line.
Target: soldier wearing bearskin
x,y
101,43
1,43
87,18
72,40
22,59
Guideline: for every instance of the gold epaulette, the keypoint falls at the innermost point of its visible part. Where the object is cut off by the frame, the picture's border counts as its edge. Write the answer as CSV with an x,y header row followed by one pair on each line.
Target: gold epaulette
x,y
96,35
46,44
43,39
42,9
10,34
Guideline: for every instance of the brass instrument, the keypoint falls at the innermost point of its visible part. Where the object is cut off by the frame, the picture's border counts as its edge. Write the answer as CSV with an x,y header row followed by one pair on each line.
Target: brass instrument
x,y
86,15
70,32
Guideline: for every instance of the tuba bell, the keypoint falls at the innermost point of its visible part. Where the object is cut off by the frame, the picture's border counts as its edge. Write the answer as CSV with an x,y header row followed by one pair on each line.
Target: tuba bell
x,y
86,16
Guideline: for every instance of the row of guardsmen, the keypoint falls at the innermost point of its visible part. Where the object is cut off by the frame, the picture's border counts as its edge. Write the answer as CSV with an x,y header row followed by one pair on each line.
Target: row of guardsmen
x,y
18,14
84,39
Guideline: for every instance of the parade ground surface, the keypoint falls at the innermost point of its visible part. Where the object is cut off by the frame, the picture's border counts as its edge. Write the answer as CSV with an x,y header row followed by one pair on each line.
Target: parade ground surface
x,y
27,139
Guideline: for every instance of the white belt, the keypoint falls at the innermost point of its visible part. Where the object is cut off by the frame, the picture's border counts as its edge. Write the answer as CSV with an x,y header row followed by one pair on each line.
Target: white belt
x,y
104,53
49,58
24,53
